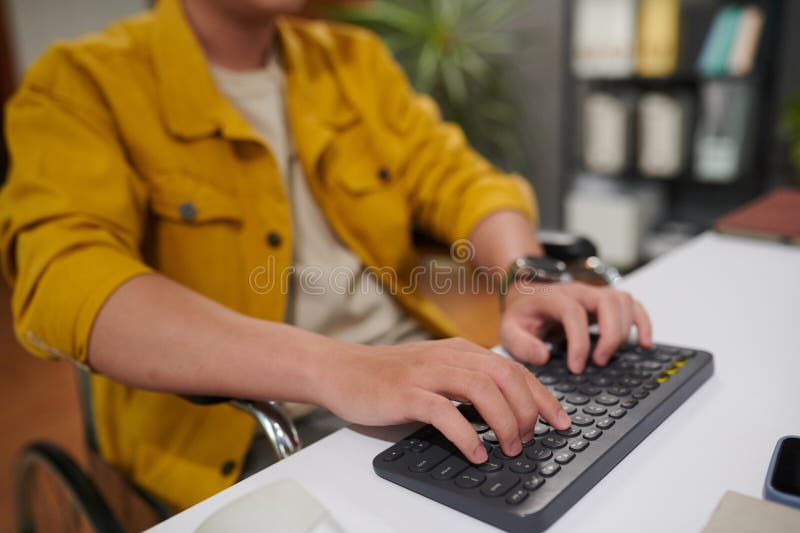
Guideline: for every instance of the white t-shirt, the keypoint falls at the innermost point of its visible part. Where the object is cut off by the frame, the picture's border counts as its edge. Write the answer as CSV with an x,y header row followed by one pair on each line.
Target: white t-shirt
x,y
342,303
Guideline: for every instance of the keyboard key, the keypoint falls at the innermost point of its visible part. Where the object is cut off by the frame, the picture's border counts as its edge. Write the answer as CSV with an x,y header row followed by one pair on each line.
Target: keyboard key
x,y
449,469
564,457
547,379
490,466
577,379
469,479
623,365
629,382
569,409
538,453
500,454
617,413
594,410
589,390
420,446
408,443
605,399
571,431
592,434
516,496
490,436
521,466
640,394
550,470
663,358
553,441
532,483
425,462
605,423
639,374
650,365
628,404
650,384
601,381
619,391
578,399
480,427
630,356
499,485
582,420
392,455
579,445
540,430
564,387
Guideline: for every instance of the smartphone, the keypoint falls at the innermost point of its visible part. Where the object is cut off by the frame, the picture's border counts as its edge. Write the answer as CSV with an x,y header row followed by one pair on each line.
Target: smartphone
x,y
783,478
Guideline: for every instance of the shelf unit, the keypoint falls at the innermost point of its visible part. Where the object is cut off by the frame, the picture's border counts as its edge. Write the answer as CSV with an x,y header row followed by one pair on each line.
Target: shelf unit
x,y
689,200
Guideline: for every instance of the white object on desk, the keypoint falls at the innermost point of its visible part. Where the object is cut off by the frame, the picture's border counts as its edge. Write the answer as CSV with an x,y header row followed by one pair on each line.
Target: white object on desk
x,y
283,506
737,298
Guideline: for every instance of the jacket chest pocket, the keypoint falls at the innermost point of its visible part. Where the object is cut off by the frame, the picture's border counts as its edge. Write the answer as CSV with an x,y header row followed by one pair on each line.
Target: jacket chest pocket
x,y
357,165
195,237
367,194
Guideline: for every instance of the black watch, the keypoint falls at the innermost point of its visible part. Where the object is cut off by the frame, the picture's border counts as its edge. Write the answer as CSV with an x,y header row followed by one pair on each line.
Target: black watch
x,y
538,269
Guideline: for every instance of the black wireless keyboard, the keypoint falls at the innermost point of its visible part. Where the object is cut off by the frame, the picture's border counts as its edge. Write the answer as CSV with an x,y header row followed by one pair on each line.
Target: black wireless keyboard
x,y
612,409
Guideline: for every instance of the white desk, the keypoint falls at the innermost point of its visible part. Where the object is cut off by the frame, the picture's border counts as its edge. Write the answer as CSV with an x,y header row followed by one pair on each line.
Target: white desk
x,y
737,298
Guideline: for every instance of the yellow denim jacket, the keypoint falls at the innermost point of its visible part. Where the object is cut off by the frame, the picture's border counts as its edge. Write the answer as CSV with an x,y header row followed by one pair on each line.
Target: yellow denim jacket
x,y
126,159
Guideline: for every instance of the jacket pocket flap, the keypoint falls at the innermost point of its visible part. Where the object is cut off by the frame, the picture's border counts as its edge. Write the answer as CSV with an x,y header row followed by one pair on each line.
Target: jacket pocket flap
x,y
186,199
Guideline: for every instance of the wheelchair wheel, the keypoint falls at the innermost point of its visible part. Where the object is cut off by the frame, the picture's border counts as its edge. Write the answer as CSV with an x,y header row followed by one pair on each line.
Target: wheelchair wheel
x,y
53,494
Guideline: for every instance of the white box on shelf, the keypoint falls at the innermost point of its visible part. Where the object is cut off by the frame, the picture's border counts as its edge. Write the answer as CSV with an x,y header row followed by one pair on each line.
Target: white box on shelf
x,y
615,216
604,38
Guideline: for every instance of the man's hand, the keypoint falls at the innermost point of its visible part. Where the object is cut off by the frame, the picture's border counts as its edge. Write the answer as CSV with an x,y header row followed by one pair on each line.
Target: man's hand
x,y
417,381
537,310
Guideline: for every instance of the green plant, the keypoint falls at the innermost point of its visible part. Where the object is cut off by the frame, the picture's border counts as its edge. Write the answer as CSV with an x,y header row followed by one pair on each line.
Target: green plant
x,y
456,51
791,127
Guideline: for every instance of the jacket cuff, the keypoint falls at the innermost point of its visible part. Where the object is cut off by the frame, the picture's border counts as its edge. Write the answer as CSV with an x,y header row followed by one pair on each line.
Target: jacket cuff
x,y
77,285
493,194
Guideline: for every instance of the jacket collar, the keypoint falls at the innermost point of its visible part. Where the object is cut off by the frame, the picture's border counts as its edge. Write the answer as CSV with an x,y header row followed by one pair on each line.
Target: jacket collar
x,y
192,105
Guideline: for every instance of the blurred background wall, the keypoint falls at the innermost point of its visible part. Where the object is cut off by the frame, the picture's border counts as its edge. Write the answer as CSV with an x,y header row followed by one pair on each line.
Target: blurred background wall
x,y
34,24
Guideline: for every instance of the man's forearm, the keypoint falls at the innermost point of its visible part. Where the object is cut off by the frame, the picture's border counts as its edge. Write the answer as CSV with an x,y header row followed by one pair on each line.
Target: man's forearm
x,y
502,237
156,334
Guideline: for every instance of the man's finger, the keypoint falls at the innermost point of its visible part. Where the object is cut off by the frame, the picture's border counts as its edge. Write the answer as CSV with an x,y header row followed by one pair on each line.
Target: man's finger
x,y
522,344
575,322
439,411
549,407
644,327
609,321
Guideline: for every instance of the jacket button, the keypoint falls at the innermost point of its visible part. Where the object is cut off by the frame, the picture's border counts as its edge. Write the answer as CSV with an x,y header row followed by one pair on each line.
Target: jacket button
x,y
228,467
187,211
274,239
384,174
